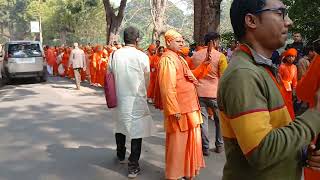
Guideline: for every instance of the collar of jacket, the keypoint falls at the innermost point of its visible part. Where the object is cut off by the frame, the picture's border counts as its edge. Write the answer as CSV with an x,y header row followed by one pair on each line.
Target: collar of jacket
x,y
263,61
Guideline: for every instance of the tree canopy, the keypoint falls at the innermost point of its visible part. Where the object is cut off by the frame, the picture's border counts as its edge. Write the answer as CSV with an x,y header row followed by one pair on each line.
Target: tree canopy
x,y
305,15
66,21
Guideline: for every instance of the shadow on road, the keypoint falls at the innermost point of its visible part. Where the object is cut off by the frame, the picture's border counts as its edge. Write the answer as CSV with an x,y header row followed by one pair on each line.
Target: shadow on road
x,y
15,94
58,140
102,157
23,81
32,131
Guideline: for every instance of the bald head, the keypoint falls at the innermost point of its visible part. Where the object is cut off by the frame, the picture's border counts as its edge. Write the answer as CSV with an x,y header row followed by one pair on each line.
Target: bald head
x,y
174,40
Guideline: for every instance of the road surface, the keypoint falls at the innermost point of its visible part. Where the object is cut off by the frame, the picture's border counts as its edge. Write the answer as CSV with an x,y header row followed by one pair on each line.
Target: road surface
x,y
50,131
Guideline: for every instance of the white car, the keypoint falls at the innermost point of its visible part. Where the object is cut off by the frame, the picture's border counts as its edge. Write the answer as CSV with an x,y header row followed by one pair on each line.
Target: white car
x,y
21,59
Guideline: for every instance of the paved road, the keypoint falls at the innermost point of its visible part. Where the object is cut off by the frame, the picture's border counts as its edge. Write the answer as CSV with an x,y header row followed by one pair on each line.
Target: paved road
x,y
51,131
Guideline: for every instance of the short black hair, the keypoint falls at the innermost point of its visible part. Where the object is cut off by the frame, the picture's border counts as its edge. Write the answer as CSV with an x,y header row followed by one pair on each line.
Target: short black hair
x,y
130,35
160,47
316,46
309,47
239,9
211,36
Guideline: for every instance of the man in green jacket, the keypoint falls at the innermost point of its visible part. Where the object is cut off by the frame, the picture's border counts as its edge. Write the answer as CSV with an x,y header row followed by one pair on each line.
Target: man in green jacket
x,y
262,140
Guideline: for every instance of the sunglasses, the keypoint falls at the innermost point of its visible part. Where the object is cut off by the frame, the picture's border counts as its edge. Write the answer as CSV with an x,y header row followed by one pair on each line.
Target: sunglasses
x,y
282,11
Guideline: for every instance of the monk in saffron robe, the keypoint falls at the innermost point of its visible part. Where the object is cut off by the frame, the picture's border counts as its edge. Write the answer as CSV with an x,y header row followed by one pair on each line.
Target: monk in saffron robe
x,y
83,72
307,89
65,61
88,56
154,63
182,116
152,55
55,64
70,69
309,84
151,50
51,59
103,67
289,75
94,65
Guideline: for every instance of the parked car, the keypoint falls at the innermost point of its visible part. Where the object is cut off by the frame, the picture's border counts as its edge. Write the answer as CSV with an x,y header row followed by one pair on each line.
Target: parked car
x,y
22,59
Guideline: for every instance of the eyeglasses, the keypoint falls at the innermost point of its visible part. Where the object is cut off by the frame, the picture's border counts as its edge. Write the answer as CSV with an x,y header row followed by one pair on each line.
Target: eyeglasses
x,y
282,11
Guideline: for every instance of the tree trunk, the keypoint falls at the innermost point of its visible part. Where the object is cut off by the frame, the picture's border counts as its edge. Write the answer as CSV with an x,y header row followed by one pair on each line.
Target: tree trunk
x,y
206,18
63,37
158,8
113,21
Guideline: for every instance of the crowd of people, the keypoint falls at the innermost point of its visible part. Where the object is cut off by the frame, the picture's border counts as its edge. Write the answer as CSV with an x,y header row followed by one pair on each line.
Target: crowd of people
x,y
59,61
264,103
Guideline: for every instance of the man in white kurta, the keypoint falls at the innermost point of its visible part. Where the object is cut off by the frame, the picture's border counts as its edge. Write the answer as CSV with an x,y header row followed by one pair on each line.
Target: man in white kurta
x,y
132,116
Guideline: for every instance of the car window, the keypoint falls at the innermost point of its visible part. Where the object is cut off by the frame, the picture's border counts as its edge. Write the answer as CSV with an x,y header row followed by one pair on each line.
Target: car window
x,y
24,50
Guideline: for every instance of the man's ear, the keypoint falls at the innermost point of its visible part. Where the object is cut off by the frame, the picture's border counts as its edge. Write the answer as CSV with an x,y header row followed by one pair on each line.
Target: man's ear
x,y
250,21
168,43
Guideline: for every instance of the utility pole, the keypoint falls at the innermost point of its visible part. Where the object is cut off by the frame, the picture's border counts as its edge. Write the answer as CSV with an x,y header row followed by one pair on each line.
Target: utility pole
x,y
41,40
40,26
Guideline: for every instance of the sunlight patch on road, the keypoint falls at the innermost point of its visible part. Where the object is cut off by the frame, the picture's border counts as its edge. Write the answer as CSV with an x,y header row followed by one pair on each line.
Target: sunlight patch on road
x,y
49,129
50,176
77,144
3,124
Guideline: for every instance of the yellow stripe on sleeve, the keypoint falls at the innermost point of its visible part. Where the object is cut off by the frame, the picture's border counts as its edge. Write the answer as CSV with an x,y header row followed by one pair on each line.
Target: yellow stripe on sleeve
x,y
250,129
280,117
226,128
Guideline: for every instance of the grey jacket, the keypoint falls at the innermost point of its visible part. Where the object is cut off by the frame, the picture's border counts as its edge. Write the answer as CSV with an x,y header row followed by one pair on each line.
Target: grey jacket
x,y
77,58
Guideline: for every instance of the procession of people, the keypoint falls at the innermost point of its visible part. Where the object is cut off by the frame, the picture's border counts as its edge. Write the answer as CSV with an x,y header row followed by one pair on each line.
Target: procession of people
x,y
263,96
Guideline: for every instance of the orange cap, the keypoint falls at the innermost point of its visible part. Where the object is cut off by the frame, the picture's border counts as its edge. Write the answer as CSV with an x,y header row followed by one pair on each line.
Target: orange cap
x,y
290,52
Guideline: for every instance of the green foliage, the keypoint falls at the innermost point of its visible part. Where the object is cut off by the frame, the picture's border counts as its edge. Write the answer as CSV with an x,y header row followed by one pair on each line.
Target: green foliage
x,y
138,14
226,39
67,21
305,15
225,22
13,19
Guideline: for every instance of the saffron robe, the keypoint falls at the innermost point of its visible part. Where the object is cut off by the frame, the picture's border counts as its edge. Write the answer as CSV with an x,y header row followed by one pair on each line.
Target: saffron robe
x,y
183,137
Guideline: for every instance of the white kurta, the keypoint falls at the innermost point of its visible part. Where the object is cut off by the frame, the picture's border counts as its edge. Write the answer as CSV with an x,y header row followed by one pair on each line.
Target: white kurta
x,y
132,116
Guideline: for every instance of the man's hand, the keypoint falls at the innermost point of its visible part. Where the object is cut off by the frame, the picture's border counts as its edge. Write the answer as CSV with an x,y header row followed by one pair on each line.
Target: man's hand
x,y
313,161
84,68
177,116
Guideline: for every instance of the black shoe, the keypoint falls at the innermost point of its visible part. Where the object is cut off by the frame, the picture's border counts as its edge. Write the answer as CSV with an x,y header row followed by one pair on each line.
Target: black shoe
x,y
133,170
206,152
218,149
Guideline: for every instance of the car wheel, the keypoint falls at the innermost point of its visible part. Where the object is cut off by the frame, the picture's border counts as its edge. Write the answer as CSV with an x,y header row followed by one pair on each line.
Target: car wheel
x,y
44,78
5,79
2,83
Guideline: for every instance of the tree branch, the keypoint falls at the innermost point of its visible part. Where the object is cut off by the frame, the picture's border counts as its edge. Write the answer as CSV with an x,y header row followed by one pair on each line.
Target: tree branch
x,y
122,7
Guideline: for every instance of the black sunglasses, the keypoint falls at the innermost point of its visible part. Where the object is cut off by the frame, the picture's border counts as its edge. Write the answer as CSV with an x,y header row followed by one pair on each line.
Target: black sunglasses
x,y
282,11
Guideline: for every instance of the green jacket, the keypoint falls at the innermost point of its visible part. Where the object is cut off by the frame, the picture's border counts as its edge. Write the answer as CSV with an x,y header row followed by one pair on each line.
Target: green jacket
x,y
261,140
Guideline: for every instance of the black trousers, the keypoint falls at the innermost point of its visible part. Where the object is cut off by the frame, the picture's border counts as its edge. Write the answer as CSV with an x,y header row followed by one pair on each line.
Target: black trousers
x,y
135,148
